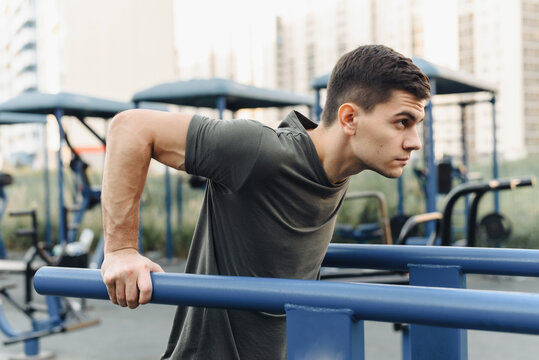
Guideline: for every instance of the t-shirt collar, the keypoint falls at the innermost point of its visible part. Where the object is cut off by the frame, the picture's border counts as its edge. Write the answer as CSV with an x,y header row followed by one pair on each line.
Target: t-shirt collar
x,y
297,120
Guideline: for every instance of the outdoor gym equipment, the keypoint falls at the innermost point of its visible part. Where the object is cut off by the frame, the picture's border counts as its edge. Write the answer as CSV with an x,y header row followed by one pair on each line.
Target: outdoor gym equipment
x,y
365,232
61,314
11,118
498,224
327,317
478,190
65,104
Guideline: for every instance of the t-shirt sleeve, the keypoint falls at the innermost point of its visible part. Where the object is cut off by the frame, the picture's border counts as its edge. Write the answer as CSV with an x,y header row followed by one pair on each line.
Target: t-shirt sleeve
x,y
224,151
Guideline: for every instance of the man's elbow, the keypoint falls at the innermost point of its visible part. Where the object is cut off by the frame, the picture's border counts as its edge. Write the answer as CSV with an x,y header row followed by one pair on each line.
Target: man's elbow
x,y
122,119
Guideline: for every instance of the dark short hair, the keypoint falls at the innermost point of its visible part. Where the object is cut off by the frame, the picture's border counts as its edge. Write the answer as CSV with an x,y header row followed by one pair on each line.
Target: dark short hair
x,y
368,75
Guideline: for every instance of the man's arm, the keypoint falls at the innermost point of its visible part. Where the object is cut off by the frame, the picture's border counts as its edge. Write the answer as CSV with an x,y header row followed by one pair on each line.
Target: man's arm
x,y
134,137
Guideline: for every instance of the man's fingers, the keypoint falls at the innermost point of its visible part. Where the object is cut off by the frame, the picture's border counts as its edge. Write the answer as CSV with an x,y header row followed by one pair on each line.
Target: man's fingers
x,y
156,268
120,294
145,288
132,293
111,289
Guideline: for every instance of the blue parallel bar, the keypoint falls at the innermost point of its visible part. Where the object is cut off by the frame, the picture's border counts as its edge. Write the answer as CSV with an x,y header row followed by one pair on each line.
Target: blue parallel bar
x,y
493,261
458,308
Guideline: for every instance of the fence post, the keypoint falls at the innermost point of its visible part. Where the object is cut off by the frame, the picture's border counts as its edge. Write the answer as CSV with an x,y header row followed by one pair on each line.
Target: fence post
x,y
320,333
430,342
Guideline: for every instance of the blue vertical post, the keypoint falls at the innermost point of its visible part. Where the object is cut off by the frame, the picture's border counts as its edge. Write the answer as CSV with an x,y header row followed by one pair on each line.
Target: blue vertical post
x,y
140,243
221,106
400,194
432,175
430,342
168,206
318,333
495,174
179,203
317,106
59,113
464,146
3,201
48,226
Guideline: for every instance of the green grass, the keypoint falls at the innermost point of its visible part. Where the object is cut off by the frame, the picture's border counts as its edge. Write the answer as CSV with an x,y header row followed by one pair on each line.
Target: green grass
x,y
520,205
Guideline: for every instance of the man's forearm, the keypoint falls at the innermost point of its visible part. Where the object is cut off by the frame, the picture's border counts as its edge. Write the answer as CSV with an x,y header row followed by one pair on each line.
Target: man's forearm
x,y
127,159
134,138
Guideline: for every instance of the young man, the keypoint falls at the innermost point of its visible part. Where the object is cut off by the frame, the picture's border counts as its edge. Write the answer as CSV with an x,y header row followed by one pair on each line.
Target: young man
x,y
272,197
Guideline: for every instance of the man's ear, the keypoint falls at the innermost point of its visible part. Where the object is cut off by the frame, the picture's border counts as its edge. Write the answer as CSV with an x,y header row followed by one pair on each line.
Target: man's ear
x,y
347,118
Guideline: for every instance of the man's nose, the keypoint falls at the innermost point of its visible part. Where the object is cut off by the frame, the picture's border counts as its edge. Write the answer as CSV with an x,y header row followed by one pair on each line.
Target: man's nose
x,y
412,140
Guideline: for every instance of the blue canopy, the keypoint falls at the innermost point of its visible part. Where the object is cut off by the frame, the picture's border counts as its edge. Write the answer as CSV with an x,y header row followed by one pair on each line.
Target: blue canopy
x,y
451,81
11,118
447,81
206,92
320,82
72,104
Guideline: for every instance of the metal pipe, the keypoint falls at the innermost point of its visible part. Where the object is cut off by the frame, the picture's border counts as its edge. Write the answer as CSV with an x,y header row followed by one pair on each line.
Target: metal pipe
x,y
495,261
495,153
476,187
384,218
459,308
413,221
432,175
62,239
472,219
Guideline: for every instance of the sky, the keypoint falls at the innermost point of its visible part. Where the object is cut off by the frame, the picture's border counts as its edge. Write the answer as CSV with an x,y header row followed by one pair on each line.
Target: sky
x,y
233,24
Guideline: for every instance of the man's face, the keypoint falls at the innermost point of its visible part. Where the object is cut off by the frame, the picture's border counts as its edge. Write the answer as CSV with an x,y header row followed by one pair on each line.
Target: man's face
x,y
386,136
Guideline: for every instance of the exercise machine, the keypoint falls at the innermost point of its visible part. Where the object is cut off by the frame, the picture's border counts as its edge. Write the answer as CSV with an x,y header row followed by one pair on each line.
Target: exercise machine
x,y
58,314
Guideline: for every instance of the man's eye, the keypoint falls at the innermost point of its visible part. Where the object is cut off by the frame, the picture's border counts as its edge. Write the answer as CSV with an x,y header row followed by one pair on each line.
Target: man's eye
x,y
403,122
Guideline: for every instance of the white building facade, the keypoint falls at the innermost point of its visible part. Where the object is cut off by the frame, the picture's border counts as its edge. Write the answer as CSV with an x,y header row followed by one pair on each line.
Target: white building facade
x,y
107,49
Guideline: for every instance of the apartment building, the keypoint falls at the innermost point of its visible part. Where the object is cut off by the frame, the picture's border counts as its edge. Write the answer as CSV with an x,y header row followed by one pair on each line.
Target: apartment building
x,y
108,49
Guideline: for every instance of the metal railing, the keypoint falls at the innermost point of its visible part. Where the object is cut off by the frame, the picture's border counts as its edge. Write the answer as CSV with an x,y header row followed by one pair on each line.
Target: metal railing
x,y
338,309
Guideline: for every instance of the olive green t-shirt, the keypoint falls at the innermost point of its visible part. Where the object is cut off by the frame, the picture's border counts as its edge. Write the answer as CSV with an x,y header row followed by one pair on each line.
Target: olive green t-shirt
x,y
269,211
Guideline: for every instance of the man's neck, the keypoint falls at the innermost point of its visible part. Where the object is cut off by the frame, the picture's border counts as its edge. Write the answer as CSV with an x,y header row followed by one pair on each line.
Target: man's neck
x,y
330,145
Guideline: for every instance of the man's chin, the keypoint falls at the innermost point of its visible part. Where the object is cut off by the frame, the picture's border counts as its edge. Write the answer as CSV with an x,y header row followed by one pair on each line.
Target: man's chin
x,y
392,174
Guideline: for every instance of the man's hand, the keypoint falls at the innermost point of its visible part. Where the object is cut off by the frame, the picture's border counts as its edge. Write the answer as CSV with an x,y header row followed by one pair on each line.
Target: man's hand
x,y
126,274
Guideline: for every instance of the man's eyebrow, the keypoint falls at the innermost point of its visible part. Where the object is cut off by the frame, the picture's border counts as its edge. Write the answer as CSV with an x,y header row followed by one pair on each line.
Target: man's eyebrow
x,y
410,116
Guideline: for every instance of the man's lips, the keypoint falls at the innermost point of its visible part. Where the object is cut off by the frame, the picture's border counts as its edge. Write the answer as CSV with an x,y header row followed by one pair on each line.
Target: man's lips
x,y
403,161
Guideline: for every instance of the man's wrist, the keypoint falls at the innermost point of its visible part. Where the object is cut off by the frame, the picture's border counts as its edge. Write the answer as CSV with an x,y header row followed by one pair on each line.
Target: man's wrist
x,y
116,249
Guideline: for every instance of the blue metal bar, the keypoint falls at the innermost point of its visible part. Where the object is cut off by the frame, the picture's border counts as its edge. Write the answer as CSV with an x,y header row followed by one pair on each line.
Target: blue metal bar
x,y
140,242
3,205
507,312
59,113
99,253
317,106
221,106
400,192
495,174
48,225
432,175
168,224
179,204
464,143
493,261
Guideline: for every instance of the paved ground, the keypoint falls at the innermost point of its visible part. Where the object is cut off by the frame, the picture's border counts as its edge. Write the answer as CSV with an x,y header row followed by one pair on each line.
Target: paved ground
x,y
142,333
